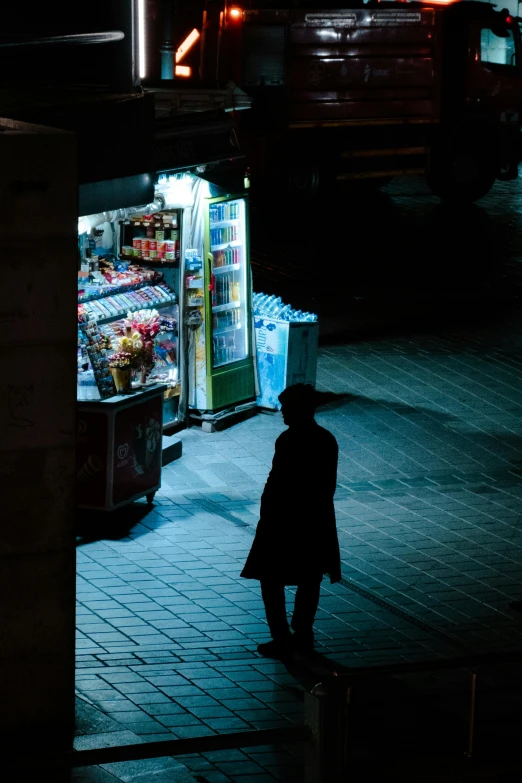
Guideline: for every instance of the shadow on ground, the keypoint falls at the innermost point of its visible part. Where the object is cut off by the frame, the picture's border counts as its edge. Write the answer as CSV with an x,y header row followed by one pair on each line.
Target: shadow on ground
x,y
110,525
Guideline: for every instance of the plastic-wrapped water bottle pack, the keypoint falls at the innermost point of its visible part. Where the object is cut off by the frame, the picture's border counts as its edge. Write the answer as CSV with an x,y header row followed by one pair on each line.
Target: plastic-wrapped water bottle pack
x,y
271,306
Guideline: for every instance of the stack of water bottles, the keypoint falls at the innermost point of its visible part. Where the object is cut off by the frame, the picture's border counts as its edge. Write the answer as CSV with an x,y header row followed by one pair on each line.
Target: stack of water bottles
x,y
270,306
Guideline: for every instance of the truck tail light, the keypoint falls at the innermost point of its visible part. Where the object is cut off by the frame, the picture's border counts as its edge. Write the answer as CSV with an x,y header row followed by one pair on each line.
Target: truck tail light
x,y
235,14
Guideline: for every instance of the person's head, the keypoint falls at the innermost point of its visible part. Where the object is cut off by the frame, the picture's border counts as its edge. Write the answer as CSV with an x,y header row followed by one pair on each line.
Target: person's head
x,y
298,403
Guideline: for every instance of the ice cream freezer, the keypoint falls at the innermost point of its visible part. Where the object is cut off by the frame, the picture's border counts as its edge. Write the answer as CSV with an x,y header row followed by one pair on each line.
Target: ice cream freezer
x,y
119,449
286,353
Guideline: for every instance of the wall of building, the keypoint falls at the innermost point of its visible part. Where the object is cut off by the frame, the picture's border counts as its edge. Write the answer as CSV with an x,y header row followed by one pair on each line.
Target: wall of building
x,y
38,223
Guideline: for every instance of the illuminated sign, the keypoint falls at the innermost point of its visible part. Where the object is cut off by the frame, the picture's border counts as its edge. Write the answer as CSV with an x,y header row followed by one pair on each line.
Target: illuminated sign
x,y
338,19
187,44
183,70
396,17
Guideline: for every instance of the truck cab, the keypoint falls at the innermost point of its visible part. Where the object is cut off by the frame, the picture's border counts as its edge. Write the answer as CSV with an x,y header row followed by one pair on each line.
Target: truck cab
x,y
361,93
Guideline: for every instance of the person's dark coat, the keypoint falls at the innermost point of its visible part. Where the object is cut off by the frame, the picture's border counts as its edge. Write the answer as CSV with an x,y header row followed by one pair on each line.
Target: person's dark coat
x,y
296,536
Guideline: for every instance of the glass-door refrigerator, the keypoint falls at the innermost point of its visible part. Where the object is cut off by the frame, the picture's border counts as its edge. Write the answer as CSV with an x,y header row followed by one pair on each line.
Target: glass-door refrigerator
x,y
228,368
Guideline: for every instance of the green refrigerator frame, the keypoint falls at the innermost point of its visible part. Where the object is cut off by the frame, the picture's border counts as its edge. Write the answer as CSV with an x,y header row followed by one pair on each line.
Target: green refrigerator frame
x,y
233,383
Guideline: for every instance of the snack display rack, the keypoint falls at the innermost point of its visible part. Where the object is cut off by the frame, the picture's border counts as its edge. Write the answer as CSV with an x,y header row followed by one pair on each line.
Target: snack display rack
x,y
119,446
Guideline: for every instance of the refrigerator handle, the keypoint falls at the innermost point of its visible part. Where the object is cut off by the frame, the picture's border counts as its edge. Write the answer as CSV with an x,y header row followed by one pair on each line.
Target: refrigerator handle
x,y
211,278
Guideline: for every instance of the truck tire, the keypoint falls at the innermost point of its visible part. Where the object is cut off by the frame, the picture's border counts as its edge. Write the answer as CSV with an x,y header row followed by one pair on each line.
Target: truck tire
x,y
464,167
304,180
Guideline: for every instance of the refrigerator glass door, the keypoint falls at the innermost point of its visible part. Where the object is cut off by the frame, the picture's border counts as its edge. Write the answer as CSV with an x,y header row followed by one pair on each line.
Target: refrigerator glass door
x,y
229,294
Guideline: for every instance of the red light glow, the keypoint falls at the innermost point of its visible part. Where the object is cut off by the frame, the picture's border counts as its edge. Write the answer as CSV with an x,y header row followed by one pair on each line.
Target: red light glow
x,y
235,13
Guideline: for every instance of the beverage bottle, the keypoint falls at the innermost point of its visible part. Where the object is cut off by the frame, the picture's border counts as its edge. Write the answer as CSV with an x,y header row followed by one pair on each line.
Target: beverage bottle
x,y
274,306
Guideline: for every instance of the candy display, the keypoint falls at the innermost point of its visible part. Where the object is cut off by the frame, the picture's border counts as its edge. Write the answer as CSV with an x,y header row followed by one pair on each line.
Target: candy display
x,y
94,344
132,304
114,277
116,305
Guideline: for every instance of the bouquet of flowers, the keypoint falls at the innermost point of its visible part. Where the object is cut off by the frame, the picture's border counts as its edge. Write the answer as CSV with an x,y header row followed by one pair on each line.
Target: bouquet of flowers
x,y
146,325
121,360
130,343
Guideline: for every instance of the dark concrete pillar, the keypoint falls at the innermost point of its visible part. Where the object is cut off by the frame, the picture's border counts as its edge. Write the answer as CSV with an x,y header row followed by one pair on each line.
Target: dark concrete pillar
x,y
38,256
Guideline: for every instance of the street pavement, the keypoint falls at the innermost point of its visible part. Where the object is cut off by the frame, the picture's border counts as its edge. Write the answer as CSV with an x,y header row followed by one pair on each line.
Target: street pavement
x,y
428,504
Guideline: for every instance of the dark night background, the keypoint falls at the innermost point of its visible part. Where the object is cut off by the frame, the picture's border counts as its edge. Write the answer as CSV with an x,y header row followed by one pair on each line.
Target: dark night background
x,y
419,310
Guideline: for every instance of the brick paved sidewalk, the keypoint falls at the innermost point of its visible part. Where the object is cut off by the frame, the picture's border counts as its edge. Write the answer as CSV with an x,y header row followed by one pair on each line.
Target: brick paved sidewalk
x,y
428,503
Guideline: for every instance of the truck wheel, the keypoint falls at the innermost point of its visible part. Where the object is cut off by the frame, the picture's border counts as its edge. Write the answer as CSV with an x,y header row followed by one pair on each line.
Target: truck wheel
x,y
464,169
303,181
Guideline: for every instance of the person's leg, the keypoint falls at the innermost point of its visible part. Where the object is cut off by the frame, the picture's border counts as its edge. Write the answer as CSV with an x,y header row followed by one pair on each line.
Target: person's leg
x,y
305,608
273,594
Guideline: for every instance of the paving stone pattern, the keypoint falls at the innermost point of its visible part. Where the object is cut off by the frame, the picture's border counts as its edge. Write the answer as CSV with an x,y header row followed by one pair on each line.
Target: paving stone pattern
x,y
428,505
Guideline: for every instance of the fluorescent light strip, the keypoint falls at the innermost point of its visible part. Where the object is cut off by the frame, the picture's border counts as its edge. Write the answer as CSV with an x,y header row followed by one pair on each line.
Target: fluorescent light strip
x,y
141,38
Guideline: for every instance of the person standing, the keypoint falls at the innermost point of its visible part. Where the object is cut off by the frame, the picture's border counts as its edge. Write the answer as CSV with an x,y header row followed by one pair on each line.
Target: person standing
x,y
296,538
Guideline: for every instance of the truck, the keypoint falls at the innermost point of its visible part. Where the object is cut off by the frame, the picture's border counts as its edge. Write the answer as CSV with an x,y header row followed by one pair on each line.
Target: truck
x,y
362,93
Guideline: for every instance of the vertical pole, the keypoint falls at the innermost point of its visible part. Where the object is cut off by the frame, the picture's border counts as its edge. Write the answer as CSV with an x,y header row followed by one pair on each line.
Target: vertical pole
x,y
314,719
326,714
220,35
344,738
471,723
167,49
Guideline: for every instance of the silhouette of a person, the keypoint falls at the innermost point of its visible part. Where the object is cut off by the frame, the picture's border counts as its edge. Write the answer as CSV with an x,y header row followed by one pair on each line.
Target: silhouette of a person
x,y
296,538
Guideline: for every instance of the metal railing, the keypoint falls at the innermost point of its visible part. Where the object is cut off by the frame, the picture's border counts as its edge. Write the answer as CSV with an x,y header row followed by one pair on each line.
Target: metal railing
x,y
327,707
325,731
